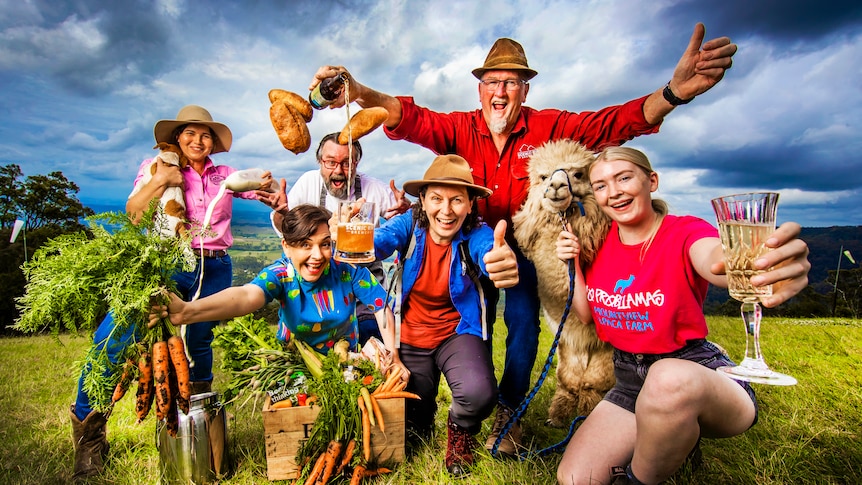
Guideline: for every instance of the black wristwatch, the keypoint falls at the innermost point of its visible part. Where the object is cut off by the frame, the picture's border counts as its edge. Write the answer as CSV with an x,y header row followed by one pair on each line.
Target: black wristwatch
x,y
671,98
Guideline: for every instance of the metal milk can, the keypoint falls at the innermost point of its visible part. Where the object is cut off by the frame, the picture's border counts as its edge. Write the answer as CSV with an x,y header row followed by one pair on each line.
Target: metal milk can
x,y
199,452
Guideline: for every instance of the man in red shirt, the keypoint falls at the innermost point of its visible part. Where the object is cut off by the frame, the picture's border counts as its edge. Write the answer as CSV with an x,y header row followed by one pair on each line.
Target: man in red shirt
x,y
498,140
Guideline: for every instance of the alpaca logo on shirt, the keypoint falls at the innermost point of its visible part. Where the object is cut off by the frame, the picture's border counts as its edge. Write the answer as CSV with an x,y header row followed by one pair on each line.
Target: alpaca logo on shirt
x,y
623,285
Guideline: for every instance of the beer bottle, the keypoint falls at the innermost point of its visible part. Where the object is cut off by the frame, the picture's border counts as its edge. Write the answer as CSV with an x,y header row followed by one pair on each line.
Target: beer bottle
x,y
327,91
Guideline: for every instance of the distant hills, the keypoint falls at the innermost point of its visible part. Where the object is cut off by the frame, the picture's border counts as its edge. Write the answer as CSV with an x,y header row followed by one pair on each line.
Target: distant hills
x,y
823,242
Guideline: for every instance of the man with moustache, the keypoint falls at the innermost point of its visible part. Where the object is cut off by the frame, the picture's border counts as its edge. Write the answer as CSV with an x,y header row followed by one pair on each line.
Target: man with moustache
x,y
498,139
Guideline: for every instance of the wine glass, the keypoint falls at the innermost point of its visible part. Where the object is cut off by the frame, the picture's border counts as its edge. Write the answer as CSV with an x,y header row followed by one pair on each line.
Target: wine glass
x,y
745,221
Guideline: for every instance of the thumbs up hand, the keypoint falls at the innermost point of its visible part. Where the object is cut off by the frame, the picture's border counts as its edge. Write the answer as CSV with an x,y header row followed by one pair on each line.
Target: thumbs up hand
x,y
500,261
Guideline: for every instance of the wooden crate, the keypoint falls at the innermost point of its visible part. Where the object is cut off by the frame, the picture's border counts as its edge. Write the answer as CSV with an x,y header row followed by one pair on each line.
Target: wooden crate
x,y
286,429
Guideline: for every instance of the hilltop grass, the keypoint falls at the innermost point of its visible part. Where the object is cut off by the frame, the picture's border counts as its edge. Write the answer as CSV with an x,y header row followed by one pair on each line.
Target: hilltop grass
x,y
807,434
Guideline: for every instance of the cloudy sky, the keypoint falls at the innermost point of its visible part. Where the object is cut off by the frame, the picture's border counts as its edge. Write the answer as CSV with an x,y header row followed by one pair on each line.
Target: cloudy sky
x,y
82,83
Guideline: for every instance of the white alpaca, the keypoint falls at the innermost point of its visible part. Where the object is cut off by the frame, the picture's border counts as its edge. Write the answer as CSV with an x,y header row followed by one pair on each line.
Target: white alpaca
x,y
560,188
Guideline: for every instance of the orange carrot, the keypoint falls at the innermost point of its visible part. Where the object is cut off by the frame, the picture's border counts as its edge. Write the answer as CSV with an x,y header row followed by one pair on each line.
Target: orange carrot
x,y
315,472
375,471
363,393
358,473
366,430
145,394
397,394
400,386
125,380
378,415
284,404
161,369
347,457
333,451
177,352
390,381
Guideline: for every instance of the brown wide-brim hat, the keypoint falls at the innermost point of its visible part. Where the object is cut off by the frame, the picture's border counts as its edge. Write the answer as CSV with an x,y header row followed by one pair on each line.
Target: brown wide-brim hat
x,y
197,115
506,55
447,170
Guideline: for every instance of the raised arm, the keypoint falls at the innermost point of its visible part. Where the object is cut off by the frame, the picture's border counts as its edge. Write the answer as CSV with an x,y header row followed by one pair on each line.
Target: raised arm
x,y
701,67
363,95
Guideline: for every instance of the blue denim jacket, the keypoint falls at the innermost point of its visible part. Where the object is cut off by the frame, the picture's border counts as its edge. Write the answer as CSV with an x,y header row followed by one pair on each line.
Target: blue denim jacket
x,y
394,235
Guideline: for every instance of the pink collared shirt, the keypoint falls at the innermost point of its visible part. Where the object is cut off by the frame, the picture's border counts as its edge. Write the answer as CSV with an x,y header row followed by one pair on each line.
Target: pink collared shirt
x,y
200,190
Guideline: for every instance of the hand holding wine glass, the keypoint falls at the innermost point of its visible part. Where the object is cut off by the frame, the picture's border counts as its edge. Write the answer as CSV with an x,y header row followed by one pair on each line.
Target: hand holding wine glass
x,y
746,221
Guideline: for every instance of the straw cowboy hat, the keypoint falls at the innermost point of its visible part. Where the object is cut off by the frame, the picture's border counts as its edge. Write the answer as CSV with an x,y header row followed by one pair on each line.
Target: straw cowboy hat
x,y
447,170
506,55
197,115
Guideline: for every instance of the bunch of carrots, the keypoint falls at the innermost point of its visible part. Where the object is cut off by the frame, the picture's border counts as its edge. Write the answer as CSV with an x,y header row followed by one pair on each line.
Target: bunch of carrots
x,y
163,378
347,443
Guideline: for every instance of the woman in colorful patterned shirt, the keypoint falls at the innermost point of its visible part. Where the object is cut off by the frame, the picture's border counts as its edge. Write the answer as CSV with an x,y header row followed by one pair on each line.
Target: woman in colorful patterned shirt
x,y
317,294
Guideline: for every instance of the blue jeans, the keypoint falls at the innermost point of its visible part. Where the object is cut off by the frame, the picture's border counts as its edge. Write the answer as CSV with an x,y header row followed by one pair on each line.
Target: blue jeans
x,y
218,273
521,316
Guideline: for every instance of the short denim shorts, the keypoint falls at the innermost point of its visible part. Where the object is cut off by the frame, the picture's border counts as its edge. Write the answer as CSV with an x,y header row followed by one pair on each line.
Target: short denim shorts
x,y
630,371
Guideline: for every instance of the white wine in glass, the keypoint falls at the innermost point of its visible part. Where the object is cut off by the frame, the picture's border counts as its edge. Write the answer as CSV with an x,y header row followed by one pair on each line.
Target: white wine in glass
x,y
745,221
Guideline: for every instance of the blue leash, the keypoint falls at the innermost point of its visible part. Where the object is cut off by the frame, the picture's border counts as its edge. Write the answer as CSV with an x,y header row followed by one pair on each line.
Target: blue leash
x,y
522,408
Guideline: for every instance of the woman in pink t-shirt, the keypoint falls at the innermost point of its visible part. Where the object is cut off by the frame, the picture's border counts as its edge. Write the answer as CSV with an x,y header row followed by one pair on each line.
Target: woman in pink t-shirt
x,y
645,292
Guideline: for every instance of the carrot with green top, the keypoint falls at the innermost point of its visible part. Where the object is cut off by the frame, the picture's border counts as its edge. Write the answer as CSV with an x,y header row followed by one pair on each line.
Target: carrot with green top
x,y
366,429
146,391
161,368
346,457
177,352
332,453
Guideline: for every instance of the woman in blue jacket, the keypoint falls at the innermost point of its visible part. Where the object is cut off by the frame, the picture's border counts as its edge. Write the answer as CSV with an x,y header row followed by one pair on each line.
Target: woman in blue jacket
x,y
445,248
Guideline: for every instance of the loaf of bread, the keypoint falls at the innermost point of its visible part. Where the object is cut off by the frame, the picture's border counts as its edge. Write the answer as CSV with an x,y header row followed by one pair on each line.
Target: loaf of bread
x,y
297,102
362,123
290,126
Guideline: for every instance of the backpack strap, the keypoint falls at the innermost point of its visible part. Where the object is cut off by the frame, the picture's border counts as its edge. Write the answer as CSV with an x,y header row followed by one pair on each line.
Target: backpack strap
x,y
396,283
469,268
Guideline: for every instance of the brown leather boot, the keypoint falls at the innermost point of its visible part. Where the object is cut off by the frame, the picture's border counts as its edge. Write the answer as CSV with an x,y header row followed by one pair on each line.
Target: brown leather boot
x,y
91,444
459,450
510,445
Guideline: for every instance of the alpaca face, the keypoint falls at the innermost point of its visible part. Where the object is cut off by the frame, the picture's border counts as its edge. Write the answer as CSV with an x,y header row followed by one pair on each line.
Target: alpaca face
x,y
565,183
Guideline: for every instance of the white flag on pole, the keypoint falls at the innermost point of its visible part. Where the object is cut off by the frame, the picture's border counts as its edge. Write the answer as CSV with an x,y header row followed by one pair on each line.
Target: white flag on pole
x,y
16,229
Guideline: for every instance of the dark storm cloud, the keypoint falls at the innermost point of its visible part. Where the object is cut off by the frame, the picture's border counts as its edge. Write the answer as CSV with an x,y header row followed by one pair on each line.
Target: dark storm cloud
x,y
814,169
796,23
91,48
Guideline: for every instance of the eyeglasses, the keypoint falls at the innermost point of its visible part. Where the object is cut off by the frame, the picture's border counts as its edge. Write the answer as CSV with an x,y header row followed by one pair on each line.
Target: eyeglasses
x,y
332,165
491,85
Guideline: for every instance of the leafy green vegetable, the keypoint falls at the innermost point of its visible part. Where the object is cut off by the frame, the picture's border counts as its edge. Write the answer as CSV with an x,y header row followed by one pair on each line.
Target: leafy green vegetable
x,y
253,357
73,280
337,391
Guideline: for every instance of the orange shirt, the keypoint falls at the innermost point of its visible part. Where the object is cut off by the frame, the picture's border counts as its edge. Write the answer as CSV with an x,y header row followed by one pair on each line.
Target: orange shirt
x,y
429,315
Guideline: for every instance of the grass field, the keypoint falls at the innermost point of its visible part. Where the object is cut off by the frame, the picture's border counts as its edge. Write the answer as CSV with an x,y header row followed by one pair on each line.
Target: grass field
x,y
807,434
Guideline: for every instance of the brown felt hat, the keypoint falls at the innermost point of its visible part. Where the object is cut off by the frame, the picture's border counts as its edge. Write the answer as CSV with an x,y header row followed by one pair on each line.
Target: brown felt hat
x,y
507,55
197,115
447,170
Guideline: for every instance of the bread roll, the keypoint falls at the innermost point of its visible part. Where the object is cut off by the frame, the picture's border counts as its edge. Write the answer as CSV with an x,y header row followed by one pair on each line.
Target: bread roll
x,y
290,127
300,104
363,123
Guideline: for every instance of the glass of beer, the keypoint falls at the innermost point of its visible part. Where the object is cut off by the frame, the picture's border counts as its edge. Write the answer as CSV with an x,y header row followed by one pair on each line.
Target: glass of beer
x,y
745,222
355,232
